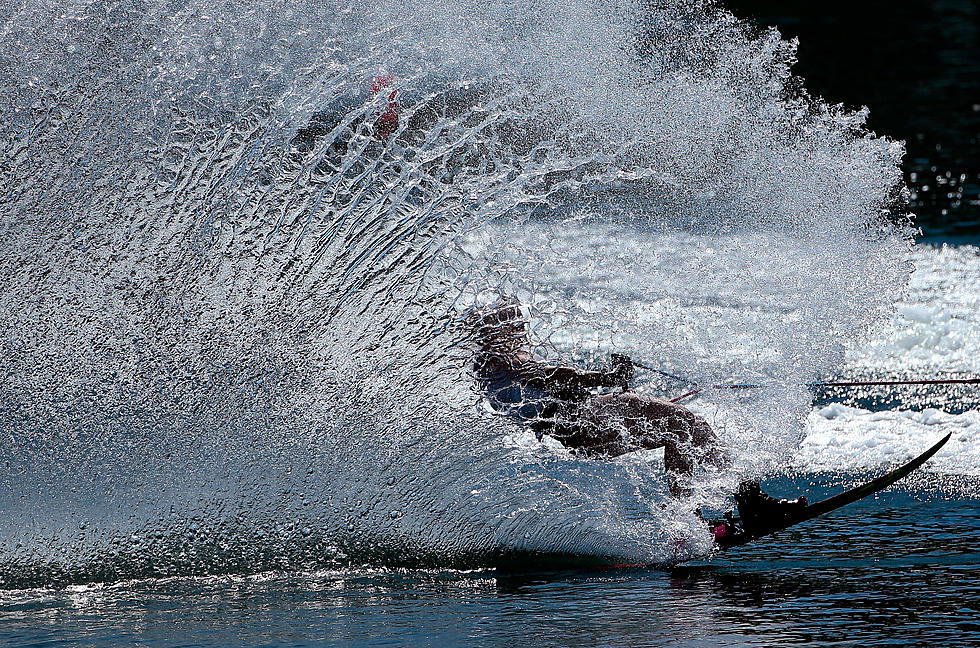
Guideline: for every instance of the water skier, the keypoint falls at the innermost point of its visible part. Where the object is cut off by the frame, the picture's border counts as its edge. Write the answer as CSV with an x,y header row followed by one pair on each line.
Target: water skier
x,y
561,401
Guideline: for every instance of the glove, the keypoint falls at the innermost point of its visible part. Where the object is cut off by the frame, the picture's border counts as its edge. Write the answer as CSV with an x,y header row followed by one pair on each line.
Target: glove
x,y
623,370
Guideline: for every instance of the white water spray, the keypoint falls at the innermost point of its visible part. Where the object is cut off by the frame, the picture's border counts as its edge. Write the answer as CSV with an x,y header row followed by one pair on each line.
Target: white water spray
x,y
228,303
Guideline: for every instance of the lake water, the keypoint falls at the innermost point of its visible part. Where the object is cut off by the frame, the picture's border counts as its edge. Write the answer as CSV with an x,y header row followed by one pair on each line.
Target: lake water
x,y
902,568
234,399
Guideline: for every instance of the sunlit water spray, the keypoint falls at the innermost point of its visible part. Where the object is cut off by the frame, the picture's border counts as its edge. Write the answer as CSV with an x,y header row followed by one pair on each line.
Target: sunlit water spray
x,y
231,333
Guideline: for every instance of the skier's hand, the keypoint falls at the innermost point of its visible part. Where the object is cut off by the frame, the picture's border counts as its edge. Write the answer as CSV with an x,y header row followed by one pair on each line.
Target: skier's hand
x,y
622,369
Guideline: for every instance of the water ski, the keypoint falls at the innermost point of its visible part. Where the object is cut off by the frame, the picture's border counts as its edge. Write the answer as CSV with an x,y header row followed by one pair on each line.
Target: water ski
x,y
734,530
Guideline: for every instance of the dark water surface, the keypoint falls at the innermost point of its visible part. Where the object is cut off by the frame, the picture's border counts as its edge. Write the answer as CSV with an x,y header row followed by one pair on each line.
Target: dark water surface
x,y
900,569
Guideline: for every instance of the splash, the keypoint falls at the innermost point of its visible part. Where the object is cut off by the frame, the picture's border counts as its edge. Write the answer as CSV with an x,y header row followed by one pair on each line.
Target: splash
x,y
229,337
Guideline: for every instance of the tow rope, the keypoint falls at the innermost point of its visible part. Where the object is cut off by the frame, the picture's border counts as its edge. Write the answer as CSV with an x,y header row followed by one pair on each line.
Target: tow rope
x,y
819,383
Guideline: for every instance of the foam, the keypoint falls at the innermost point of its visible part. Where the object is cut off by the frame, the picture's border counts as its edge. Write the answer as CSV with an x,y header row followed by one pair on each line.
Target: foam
x,y
937,324
842,439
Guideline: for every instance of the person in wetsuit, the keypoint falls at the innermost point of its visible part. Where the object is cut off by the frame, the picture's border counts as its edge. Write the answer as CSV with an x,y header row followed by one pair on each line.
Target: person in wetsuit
x,y
563,402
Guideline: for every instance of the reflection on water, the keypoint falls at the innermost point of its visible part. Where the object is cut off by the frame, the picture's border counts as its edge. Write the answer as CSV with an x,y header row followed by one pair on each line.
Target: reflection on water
x,y
899,569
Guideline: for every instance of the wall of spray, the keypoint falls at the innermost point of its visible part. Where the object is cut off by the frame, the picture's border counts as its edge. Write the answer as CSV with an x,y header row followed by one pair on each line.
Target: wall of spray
x,y
230,337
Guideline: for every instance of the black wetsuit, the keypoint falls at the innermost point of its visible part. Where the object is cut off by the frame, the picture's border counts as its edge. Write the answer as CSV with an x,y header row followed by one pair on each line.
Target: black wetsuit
x,y
533,406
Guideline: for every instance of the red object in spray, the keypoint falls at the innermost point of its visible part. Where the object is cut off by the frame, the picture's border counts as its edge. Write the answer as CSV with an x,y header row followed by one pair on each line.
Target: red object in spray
x,y
720,531
387,121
